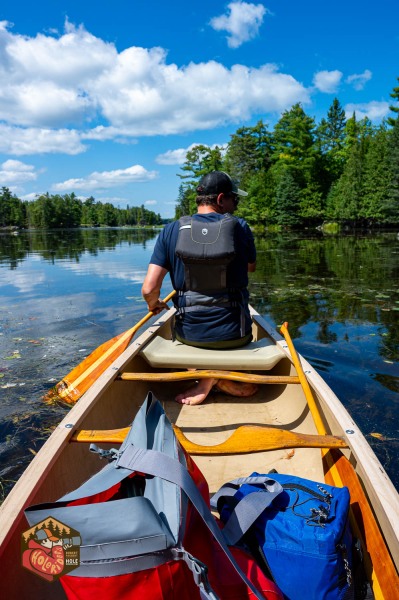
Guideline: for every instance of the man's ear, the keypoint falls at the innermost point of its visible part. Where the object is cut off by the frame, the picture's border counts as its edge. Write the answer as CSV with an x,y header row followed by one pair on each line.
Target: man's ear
x,y
219,200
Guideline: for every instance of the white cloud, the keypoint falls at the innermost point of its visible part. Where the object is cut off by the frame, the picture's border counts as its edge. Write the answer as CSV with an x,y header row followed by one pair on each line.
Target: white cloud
x,y
167,99
178,156
150,202
242,22
327,81
106,179
102,134
29,197
374,110
59,91
48,78
115,200
173,157
15,172
105,268
359,81
24,281
19,141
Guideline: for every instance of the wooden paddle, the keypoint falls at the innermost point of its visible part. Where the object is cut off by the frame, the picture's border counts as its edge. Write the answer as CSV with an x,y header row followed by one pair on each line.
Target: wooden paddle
x,y
207,374
339,472
78,381
244,440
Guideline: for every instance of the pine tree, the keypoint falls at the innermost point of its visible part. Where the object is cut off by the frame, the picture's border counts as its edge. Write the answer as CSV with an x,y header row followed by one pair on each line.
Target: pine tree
x,y
311,207
199,161
293,136
248,152
185,202
376,178
394,107
330,139
345,197
259,207
288,195
391,208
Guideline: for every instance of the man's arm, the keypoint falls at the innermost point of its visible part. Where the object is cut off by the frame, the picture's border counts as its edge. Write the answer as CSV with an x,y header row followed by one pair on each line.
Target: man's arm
x,y
152,287
251,267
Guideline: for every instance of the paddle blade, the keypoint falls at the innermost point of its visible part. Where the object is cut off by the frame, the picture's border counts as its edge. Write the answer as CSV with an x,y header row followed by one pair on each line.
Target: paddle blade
x,y
78,381
244,440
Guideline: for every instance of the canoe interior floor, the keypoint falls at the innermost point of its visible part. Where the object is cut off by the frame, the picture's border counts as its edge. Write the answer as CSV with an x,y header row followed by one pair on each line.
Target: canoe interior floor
x,y
273,405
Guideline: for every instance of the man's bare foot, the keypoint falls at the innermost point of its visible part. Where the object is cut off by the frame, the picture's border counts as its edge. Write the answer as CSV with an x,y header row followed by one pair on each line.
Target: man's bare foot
x,y
236,388
197,393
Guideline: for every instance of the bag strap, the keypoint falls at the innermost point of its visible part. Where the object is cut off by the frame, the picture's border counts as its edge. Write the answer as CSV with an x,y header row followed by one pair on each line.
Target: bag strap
x,y
157,464
250,507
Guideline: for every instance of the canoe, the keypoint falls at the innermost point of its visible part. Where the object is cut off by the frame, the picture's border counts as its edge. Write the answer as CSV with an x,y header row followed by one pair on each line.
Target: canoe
x,y
294,424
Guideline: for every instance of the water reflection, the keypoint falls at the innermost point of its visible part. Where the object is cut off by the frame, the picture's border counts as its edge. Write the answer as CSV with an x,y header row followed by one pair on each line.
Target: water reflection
x,y
330,281
67,244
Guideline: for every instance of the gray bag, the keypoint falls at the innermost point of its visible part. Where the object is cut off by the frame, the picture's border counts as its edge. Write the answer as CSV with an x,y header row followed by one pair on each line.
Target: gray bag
x,y
146,529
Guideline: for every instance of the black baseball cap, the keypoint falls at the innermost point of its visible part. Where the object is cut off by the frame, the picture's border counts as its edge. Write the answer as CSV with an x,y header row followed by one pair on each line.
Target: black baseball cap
x,y
218,182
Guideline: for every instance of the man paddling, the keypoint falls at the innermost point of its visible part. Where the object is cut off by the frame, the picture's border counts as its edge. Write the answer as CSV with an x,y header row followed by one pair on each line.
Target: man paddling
x,y
208,257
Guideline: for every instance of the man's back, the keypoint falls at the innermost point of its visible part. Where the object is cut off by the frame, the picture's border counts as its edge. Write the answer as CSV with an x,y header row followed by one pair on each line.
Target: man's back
x,y
224,315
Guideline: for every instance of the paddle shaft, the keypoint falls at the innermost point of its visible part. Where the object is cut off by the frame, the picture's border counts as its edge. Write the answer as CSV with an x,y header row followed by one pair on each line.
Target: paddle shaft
x,y
340,472
210,374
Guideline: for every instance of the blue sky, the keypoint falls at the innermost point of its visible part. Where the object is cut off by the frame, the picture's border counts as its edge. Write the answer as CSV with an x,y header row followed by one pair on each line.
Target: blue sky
x,y
104,98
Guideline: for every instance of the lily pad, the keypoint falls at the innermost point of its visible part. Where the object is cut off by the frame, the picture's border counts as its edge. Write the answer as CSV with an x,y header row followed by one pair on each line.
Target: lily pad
x,y
15,354
379,436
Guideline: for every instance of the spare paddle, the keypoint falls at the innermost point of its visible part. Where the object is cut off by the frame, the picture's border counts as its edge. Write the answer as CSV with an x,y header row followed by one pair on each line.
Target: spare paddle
x,y
208,374
78,381
245,439
339,471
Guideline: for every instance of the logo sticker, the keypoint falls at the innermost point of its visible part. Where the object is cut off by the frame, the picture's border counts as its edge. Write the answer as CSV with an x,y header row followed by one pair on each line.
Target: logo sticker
x,y
204,231
50,549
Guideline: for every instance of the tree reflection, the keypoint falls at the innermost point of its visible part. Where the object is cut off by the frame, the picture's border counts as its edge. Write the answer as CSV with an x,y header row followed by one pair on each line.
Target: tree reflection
x,y
67,244
329,280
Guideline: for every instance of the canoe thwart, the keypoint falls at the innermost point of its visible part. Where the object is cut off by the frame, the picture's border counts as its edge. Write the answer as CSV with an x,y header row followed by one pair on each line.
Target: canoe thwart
x,y
208,374
245,439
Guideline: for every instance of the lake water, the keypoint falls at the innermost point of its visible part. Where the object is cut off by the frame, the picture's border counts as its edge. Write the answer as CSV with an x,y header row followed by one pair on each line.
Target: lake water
x,y
64,293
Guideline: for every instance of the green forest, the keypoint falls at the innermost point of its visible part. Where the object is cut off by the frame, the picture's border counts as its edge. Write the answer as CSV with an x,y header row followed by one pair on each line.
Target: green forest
x,y
338,173
302,174
67,211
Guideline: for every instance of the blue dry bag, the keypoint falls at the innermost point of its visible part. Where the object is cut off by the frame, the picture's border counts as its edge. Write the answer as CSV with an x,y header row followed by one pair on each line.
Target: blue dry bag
x,y
300,535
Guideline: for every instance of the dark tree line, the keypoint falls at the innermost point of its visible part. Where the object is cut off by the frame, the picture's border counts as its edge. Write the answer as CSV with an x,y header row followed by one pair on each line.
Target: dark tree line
x,y
56,211
303,174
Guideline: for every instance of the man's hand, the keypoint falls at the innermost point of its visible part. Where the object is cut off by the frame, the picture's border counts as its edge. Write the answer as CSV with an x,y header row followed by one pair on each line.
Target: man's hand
x,y
158,307
152,288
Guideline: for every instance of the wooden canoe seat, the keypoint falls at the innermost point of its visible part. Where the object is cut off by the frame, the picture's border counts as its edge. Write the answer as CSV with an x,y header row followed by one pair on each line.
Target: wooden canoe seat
x,y
255,356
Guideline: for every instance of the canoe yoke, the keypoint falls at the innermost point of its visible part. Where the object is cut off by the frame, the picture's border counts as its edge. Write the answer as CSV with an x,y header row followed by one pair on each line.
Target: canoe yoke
x,y
261,355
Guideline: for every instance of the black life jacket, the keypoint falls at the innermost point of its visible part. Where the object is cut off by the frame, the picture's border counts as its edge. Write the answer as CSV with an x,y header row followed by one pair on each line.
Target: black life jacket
x,y
206,249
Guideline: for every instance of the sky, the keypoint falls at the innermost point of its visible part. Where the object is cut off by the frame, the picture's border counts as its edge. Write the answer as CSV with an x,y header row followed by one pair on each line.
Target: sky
x,y
105,98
